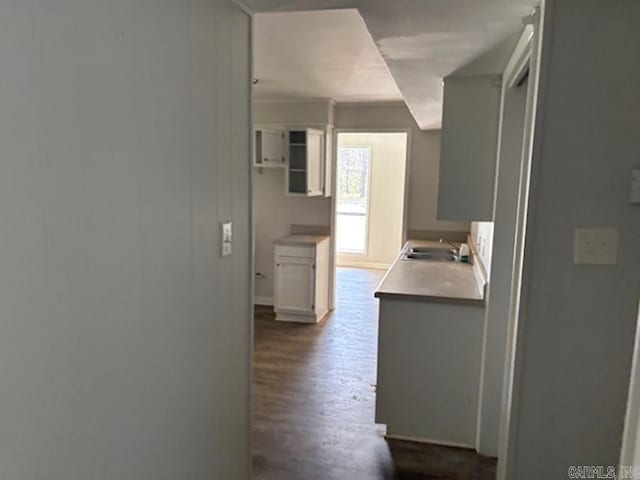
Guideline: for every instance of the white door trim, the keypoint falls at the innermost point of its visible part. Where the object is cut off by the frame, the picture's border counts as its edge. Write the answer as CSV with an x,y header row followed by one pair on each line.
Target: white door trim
x,y
511,390
334,163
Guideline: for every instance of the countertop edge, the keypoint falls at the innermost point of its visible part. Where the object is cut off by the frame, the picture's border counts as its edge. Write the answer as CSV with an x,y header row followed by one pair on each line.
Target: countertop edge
x,y
294,241
430,299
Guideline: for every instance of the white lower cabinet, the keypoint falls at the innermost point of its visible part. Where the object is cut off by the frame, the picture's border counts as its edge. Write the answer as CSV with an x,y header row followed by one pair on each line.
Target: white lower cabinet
x,y
301,283
295,284
429,357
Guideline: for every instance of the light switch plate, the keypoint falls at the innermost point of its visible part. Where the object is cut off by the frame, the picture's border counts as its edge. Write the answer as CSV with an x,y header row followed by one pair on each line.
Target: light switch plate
x,y
595,246
226,238
634,196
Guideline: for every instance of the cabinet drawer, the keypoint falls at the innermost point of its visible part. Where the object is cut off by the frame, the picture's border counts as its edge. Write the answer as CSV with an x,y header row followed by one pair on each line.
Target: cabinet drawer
x,y
303,251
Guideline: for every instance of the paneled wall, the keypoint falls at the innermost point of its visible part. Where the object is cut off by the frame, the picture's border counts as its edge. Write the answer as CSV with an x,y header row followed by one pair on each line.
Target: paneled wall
x,y
124,337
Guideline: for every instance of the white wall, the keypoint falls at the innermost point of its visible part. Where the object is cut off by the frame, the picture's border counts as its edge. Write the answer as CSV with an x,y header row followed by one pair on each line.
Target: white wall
x,y
274,213
423,164
293,112
577,322
124,338
386,196
482,236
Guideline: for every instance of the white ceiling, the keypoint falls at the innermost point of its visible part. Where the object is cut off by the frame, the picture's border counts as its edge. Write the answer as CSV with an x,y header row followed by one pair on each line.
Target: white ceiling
x,y
320,54
421,41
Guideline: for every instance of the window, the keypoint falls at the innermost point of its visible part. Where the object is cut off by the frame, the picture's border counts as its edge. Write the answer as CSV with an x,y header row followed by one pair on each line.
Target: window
x,y
352,210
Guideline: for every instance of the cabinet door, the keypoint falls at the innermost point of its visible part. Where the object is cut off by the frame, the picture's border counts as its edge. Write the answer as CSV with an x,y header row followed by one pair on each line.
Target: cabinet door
x,y
270,148
295,284
328,163
470,118
315,160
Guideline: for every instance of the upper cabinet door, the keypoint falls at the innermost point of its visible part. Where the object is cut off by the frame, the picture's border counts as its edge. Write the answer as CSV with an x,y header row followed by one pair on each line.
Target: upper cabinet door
x,y
328,163
315,161
270,148
469,147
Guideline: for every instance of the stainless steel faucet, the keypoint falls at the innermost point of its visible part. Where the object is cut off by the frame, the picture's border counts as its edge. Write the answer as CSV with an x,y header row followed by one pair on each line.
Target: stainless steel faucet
x,y
456,246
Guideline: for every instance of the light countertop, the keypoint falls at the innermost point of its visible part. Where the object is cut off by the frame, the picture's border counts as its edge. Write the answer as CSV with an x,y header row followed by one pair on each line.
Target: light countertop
x,y
301,239
442,282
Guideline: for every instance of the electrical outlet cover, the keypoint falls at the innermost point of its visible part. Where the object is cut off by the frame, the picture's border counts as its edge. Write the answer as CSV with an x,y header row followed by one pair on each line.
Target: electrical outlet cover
x,y
595,246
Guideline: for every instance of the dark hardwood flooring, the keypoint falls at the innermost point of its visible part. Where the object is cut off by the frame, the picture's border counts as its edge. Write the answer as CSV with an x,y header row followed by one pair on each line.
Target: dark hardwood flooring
x,y
314,401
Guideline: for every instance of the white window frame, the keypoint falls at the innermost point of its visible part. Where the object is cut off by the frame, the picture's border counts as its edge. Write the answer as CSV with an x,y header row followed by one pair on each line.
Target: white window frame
x,y
369,148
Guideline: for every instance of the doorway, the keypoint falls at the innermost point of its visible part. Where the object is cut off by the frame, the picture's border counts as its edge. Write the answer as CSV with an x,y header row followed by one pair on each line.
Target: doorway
x,y
370,198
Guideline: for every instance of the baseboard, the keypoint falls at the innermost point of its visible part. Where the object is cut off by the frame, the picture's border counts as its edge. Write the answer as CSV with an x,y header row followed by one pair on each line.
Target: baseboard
x,y
375,266
268,301
430,441
436,235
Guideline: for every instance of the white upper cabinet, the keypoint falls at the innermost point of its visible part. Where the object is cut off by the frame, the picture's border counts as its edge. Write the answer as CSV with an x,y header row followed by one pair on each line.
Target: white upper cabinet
x,y
305,166
270,148
469,147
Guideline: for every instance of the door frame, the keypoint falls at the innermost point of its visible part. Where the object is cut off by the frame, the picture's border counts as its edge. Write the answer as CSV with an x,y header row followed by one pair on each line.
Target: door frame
x,y
252,237
516,320
631,433
517,69
333,257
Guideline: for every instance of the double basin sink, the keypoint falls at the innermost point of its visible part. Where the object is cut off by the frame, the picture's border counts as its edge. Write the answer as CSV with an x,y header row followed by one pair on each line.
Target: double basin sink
x,y
432,254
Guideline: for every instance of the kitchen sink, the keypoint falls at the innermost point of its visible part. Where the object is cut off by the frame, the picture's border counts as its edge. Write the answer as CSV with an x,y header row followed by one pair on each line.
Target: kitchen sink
x,y
434,250
441,256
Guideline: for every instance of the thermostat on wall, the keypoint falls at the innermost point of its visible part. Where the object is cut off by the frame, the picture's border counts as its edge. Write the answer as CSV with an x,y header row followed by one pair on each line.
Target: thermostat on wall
x,y
635,187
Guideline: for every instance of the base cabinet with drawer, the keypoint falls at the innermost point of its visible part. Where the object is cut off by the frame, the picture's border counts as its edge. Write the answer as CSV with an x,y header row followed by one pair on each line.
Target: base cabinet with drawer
x,y
301,283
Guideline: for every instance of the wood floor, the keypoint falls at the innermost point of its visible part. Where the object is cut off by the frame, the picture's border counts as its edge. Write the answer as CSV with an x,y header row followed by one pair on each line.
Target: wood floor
x,y
314,400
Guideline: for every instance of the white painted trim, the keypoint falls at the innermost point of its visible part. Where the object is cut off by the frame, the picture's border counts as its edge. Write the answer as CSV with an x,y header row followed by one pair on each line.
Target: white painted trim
x,y
531,143
405,208
266,301
630,436
374,266
515,71
520,59
367,215
251,228
431,441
